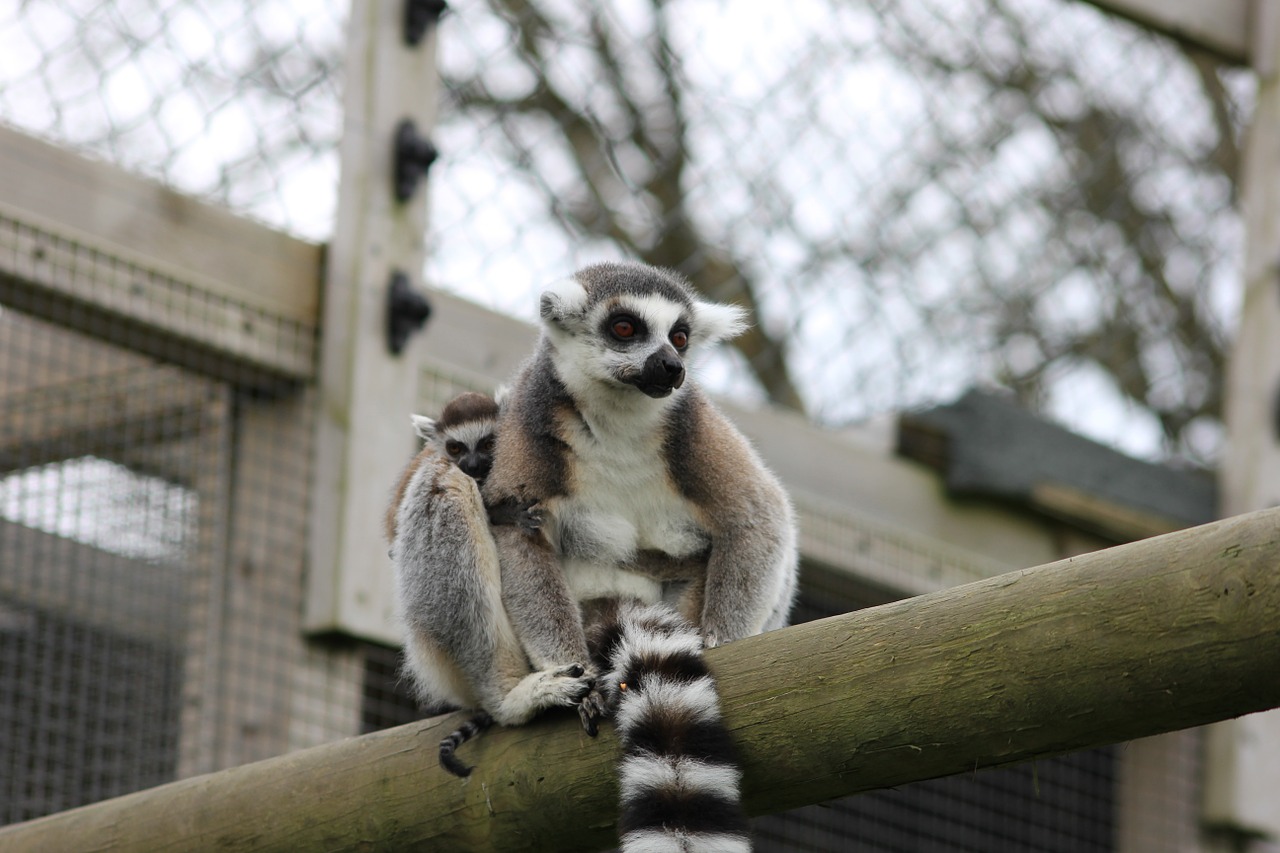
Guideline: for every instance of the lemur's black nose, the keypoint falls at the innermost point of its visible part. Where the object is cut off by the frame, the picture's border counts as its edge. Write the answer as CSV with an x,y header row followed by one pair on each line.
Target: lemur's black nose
x,y
475,465
673,366
665,367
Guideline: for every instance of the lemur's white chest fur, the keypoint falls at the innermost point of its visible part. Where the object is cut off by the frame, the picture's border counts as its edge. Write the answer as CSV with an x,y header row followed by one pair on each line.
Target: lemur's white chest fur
x,y
621,501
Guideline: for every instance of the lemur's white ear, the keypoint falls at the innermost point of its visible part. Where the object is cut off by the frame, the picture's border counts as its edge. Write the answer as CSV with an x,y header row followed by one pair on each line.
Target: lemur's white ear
x,y
501,394
718,321
562,299
424,426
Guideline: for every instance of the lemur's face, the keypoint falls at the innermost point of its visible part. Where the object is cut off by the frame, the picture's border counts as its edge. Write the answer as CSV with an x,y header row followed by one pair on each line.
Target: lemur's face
x,y
631,326
470,447
464,433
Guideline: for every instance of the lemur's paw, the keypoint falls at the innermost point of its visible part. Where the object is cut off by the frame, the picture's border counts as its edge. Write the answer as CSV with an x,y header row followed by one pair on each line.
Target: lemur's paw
x,y
567,685
573,670
590,710
509,512
532,517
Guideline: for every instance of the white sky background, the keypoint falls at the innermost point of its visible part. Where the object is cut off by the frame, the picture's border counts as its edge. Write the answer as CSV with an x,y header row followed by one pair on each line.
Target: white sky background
x,y
793,148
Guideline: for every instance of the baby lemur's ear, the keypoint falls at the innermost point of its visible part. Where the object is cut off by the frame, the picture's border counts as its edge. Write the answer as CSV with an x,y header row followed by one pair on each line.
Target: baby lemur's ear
x,y
562,301
424,426
718,321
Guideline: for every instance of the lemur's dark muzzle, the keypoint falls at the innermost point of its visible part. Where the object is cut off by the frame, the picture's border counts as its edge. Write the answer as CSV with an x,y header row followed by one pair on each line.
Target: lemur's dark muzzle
x,y
476,465
663,373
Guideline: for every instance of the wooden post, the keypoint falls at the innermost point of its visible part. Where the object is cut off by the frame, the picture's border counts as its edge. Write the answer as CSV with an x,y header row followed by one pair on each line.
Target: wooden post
x,y
1154,636
365,392
1243,757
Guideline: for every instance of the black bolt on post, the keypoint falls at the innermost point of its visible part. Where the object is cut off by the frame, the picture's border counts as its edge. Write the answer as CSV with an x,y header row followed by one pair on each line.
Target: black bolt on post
x,y
407,312
418,15
414,156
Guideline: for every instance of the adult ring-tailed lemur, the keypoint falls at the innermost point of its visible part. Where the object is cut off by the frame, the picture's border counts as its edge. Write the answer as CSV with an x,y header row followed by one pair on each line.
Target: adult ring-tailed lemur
x,y
623,456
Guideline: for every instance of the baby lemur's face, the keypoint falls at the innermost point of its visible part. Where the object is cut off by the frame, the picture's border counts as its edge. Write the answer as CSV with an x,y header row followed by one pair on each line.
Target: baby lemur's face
x,y
632,326
470,447
463,432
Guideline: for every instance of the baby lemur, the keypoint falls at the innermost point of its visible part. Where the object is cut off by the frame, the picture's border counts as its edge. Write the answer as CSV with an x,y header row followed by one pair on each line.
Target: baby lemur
x,y
460,648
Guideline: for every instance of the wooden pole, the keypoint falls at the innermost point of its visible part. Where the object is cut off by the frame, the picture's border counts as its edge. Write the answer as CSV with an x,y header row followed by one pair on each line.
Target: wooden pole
x,y
1149,637
1242,758
364,391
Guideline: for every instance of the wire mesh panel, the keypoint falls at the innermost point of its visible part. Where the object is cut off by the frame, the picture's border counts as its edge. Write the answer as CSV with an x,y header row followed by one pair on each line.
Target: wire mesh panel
x,y
112,472
913,195
152,550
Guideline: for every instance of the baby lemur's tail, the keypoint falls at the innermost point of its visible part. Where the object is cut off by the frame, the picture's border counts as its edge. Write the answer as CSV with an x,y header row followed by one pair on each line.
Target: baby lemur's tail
x,y
678,774
472,727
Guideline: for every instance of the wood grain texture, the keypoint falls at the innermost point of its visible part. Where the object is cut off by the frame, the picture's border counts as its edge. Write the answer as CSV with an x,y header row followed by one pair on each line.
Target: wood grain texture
x,y
1154,636
1221,26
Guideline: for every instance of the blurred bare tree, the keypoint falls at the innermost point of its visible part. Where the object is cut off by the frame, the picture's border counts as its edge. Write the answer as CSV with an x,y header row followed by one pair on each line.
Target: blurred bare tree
x,y
1047,205
633,115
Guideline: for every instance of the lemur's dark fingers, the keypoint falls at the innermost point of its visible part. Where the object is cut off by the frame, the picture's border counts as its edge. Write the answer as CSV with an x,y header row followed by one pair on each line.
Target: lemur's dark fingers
x,y
589,724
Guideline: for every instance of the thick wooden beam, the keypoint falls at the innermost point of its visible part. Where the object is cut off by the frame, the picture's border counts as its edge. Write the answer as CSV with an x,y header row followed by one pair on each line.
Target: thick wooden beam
x,y
1219,26
114,209
1144,638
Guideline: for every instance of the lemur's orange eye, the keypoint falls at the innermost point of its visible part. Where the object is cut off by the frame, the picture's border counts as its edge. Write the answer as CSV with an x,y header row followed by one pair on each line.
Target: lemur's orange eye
x,y
624,328
680,339
454,448
622,685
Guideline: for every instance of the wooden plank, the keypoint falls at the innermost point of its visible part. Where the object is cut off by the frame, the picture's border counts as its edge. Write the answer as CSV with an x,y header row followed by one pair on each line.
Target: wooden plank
x,y
132,597
1144,638
129,216
111,292
1219,26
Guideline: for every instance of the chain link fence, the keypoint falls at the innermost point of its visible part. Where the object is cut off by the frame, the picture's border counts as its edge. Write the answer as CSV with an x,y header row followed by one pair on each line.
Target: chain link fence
x,y
912,196
232,100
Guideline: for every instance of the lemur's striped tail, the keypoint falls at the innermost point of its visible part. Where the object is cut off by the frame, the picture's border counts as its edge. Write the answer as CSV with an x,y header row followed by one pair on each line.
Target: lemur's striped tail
x,y
472,727
678,774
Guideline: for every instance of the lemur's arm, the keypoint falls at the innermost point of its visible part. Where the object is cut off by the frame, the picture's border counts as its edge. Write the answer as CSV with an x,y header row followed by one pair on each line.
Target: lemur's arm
x,y
750,575
537,599
750,582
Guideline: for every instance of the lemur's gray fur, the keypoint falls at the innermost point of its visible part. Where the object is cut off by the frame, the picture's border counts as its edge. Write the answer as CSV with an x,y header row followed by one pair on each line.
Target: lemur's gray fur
x,y
461,649
623,455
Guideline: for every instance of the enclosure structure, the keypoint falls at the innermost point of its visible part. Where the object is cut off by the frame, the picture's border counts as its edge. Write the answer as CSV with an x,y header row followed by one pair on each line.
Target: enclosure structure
x,y
200,418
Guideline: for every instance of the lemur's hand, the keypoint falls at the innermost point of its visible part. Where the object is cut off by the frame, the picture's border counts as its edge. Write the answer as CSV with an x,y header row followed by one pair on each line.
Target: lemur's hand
x,y
510,512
